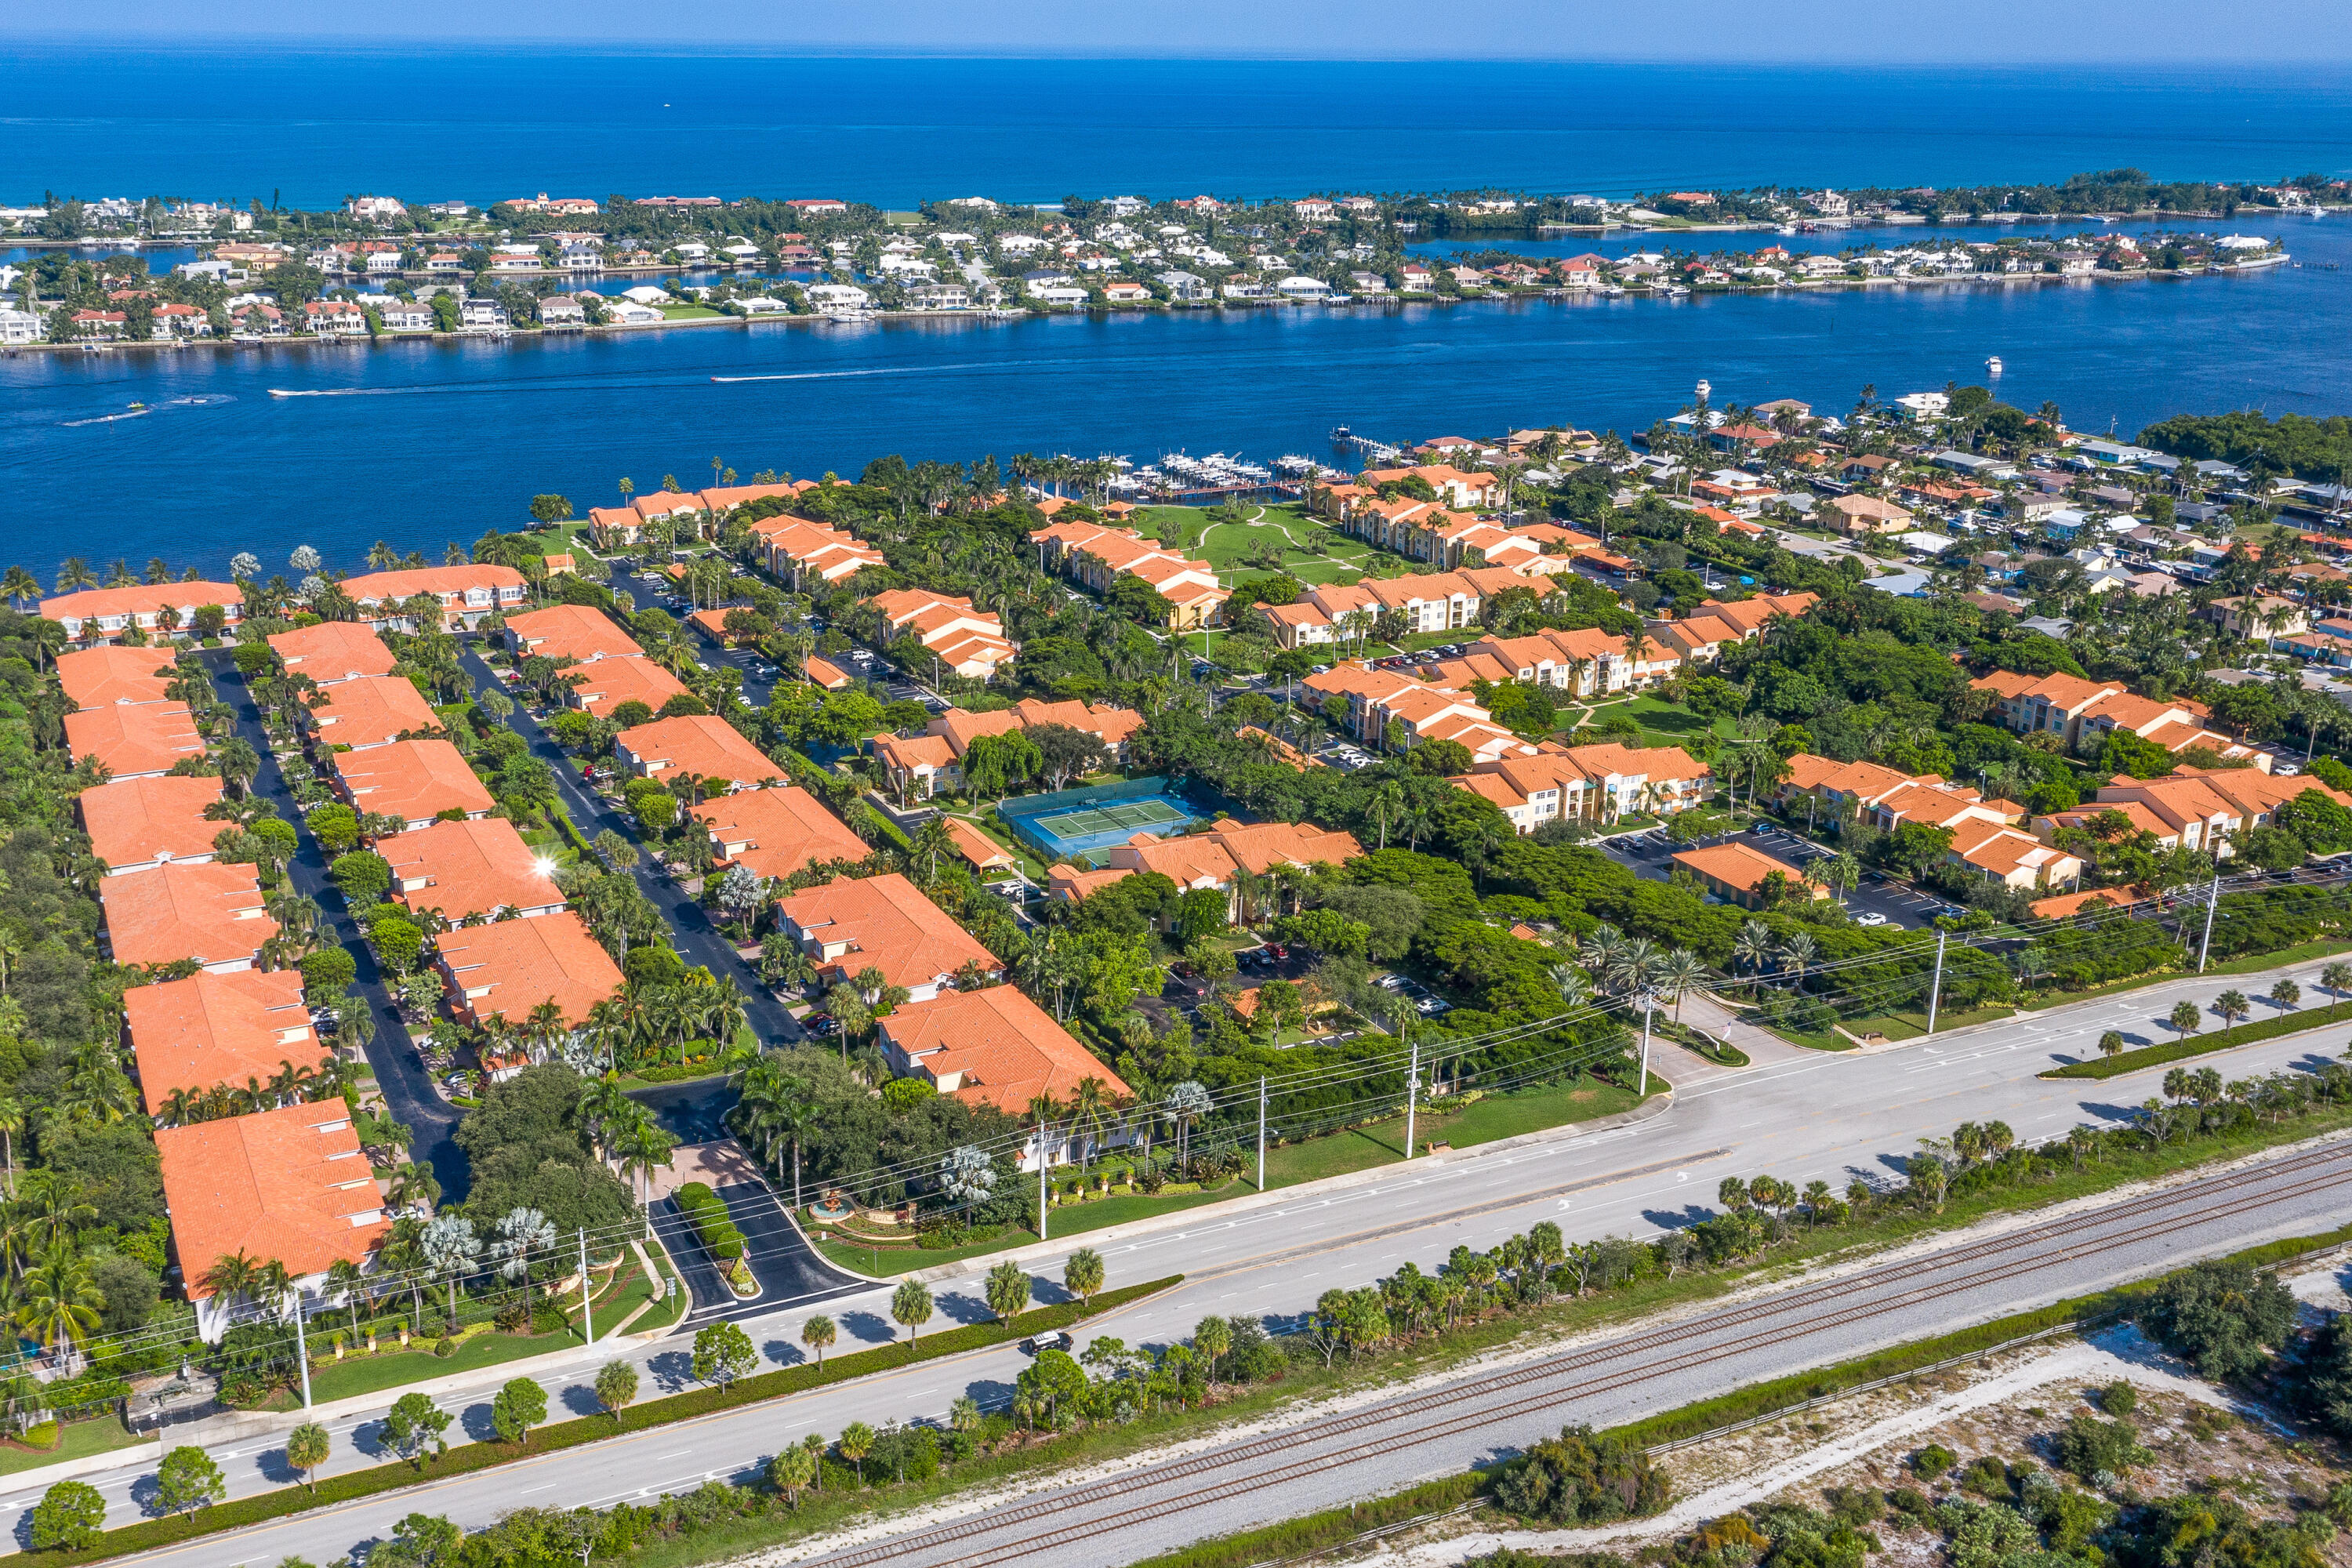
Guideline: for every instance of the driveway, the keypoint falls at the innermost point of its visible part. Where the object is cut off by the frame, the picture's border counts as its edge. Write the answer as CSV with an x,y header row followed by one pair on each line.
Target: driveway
x,y
788,1270
400,1073
697,941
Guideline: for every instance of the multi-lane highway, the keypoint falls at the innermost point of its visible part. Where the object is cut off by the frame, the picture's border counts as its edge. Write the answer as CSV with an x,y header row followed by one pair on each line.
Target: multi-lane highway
x,y
1805,1116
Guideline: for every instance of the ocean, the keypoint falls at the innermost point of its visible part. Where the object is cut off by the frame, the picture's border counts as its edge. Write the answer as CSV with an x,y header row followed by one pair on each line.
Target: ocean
x,y
421,443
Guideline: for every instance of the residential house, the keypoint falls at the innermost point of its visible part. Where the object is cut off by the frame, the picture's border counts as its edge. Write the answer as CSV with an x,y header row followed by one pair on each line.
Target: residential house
x,y
111,675
208,1030
134,741
466,594
577,632
1735,873
208,913
601,687
140,823
995,1046
1367,701
475,868
2263,617
883,923
370,711
797,549
2082,712
1097,555
2015,859
507,968
918,767
777,833
412,782
962,640
695,746
1597,783
2192,808
333,651
290,1185
1701,634
101,615
1858,514
1221,856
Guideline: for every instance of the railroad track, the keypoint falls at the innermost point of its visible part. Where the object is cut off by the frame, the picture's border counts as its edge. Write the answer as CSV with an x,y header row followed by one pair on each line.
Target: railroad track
x,y
1481,1401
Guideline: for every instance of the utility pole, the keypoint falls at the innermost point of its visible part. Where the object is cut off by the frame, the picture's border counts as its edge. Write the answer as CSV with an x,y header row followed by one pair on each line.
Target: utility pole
x,y
301,1349
1412,1088
2212,902
1936,986
1649,1000
587,1318
1041,1181
1261,1134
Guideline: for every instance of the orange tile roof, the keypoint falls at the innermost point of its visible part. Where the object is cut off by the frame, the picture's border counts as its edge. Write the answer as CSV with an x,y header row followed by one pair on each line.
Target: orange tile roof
x,y
979,851
109,674
333,651
887,924
830,676
994,1046
702,745
372,710
141,599
137,822
1735,864
777,832
135,738
290,1184
508,967
568,631
213,1029
413,780
2074,903
461,868
1071,885
602,687
908,754
375,588
209,912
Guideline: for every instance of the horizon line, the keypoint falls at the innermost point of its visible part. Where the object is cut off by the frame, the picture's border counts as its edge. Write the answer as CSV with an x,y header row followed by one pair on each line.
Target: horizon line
x,y
181,41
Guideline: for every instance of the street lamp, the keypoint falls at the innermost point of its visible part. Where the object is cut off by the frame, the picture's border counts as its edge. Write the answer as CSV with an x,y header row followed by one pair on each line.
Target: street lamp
x,y
1648,1001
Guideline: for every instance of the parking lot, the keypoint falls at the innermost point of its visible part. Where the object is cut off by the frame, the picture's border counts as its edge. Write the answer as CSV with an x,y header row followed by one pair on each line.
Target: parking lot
x,y
1877,902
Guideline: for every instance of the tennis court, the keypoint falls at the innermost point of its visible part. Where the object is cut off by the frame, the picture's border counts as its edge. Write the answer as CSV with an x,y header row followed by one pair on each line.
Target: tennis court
x,y
1124,816
1077,824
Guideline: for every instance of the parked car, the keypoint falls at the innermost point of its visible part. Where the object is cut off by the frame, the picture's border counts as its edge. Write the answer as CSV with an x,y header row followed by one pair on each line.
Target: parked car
x,y
821,1024
1870,918
1051,1340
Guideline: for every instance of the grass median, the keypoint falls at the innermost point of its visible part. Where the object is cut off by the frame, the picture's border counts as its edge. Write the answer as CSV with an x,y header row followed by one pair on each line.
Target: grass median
x,y
2148,1057
393,1475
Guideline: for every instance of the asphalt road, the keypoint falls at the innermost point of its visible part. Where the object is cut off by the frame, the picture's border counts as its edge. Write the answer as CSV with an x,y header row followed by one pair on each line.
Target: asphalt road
x,y
787,1267
691,932
400,1072
1827,1116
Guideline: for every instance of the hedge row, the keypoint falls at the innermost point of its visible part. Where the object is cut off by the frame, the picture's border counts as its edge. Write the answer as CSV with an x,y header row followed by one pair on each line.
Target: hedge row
x,y
2195,1045
149,1534
1322,1531
705,1211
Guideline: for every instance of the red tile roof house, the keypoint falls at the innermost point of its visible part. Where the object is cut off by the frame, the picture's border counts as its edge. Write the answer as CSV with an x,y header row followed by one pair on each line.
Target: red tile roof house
x,y
576,632
776,832
213,1029
134,741
465,869
370,711
333,651
698,746
465,593
137,824
211,913
290,1184
1215,858
100,614
416,781
108,675
885,923
601,687
961,639
993,1046
507,968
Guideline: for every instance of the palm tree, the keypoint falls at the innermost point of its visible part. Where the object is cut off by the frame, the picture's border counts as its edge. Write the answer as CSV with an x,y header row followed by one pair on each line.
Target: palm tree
x,y
57,1304
1679,974
12,1122
19,587
2232,1005
1752,946
74,573
1797,952
2338,978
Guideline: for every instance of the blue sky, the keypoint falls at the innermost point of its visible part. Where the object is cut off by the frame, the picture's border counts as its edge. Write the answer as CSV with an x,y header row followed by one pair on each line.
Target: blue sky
x,y
2018,32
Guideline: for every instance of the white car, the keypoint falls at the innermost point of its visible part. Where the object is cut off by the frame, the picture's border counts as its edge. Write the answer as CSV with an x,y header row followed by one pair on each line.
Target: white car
x,y
1871,918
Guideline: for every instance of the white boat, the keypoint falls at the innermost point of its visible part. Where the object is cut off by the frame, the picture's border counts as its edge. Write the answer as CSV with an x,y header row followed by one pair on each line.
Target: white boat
x,y
1992,366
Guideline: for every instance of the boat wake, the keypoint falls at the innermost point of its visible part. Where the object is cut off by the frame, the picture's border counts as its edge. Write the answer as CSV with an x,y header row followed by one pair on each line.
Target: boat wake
x,y
141,411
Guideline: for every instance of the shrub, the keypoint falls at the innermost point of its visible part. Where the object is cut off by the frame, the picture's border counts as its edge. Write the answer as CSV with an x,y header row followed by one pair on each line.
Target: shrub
x,y
1912,1504
1986,1477
1580,1477
2090,1448
2221,1317
1932,1461
1855,1505
706,1212
41,1434
2119,1398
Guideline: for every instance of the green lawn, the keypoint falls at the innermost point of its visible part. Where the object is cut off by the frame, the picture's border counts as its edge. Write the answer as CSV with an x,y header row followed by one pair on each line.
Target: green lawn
x,y
390,1369
689,314
81,1440
1492,1116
